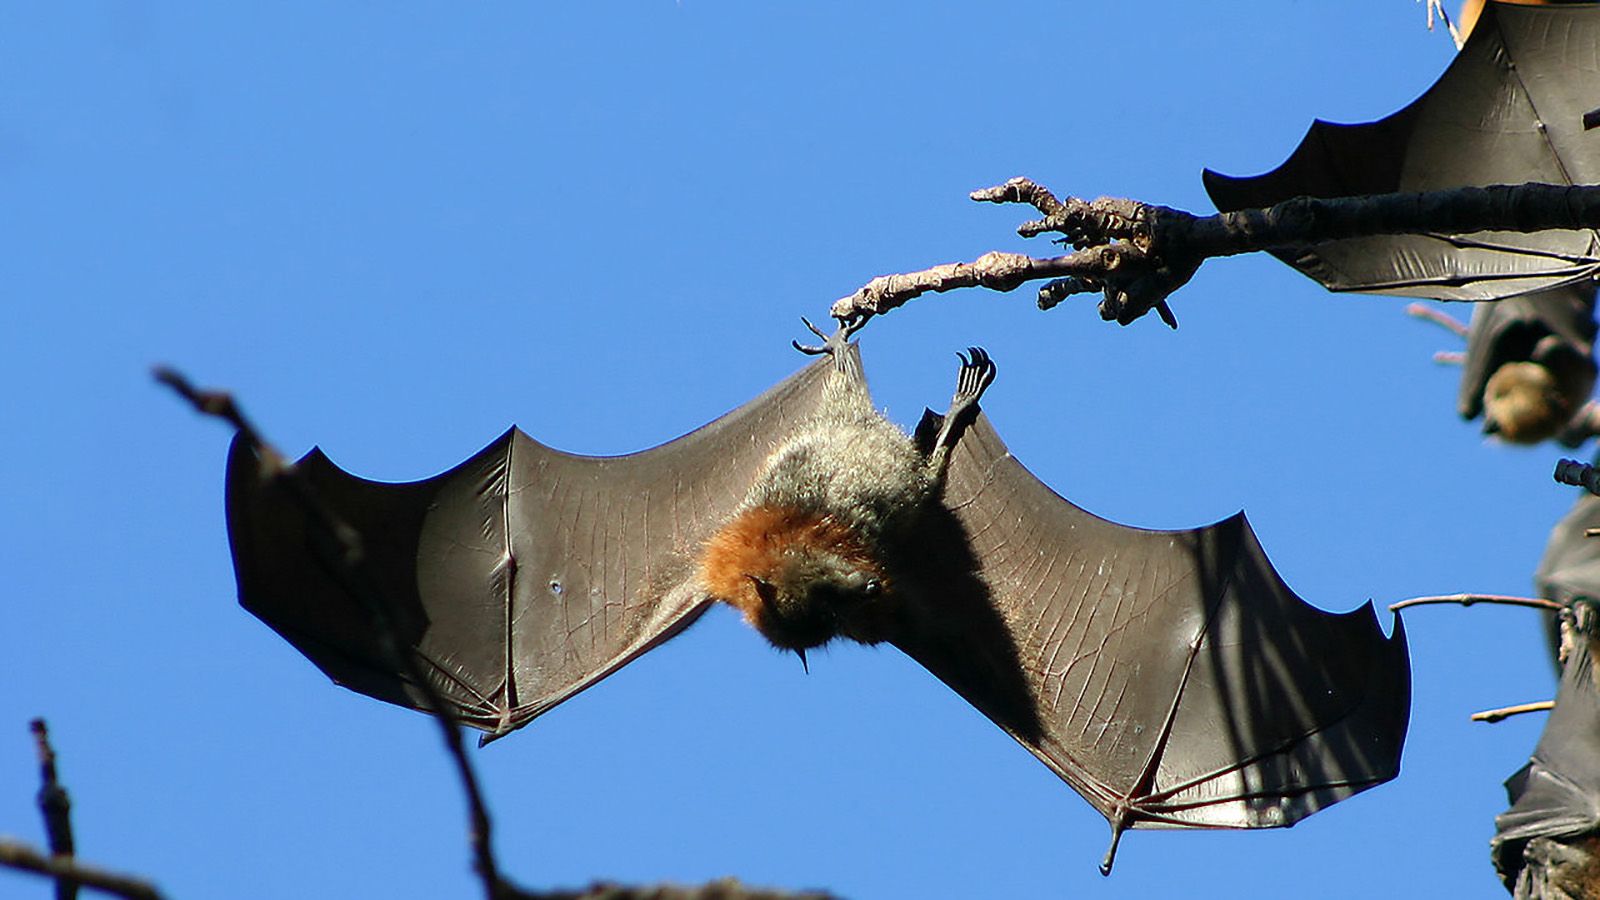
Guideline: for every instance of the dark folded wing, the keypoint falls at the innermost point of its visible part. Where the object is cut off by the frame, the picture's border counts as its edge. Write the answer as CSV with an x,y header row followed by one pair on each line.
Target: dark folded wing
x,y
1508,110
1570,568
1557,794
1569,571
519,577
1170,677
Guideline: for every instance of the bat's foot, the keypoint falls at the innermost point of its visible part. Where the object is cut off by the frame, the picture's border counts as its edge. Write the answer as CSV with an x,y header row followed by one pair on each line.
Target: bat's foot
x,y
977,373
831,344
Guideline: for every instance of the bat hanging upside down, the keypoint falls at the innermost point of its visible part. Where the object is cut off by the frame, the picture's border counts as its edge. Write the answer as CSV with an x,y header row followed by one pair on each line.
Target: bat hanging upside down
x,y
1170,677
807,556
1529,366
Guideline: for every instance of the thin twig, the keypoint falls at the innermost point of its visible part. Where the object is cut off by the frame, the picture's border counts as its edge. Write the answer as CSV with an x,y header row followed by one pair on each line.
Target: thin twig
x,y
1472,599
1506,712
55,806
721,889
350,566
1436,8
1438,317
23,858
219,404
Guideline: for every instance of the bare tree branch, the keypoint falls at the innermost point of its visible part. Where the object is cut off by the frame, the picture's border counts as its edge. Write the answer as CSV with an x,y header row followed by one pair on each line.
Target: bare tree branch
x,y
221,405
1438,317
19,856
1471,599
55,806
721,889
1137,254
60,865
1506,712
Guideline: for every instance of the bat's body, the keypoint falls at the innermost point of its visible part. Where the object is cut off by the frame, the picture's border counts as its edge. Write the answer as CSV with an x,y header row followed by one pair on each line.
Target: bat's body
x,y
1170,677
1530,364
1547,845
1569,571
811,552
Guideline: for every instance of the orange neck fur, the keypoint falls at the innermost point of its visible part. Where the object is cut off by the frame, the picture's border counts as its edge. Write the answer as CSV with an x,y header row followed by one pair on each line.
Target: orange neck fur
x,y
755,544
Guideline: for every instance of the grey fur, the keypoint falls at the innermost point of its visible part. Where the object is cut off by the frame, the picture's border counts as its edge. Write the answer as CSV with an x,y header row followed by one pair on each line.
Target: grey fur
x,y
849,463
851,466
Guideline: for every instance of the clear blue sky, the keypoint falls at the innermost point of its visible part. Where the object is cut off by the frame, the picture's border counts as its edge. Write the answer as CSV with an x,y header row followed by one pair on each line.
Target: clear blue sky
x,y
396,229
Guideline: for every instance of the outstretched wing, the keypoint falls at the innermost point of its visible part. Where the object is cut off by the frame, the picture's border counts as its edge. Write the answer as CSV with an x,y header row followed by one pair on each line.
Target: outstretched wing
x,y
519,577
1170,677
1509,109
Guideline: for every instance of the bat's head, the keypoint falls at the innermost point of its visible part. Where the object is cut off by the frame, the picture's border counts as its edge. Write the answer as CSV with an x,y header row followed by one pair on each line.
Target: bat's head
x,y
800,579
1526,402
812,596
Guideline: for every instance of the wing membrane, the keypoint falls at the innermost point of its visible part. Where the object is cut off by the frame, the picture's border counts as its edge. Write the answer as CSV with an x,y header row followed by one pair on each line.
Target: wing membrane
x,y
519,577
1170,677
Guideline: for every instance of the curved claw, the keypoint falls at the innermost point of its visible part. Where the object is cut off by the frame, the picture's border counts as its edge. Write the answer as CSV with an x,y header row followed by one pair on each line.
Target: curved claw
x,y
977,373
853,324
830,342
1166,314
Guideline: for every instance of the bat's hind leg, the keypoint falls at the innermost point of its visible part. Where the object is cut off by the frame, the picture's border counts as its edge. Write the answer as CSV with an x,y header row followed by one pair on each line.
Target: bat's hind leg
x,y
977,373
837,346
832,344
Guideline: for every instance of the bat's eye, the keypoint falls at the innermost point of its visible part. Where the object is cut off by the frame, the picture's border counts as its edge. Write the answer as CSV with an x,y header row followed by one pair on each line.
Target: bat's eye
x,y
872,588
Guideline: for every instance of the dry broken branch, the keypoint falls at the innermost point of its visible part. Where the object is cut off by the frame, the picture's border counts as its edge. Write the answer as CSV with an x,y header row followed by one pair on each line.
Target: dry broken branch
x,y
1137,254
